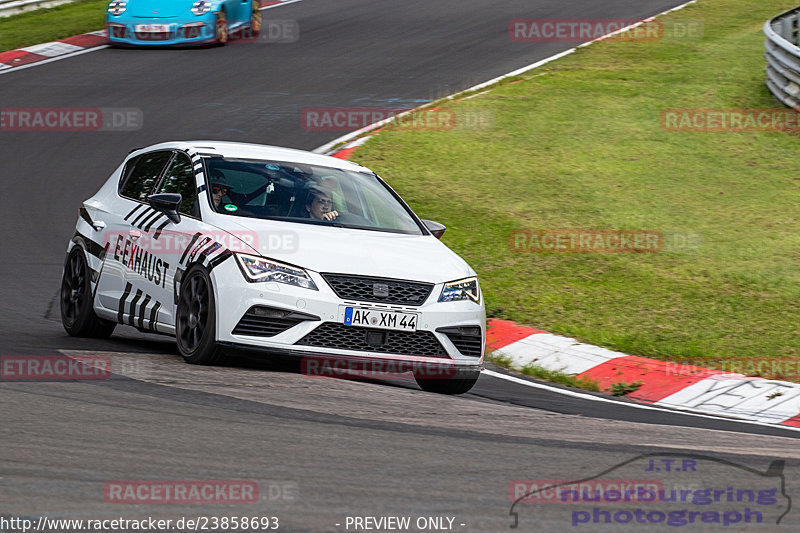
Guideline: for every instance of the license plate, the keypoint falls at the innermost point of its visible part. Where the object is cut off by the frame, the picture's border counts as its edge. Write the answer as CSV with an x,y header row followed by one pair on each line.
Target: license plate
x,y
371,318
152,28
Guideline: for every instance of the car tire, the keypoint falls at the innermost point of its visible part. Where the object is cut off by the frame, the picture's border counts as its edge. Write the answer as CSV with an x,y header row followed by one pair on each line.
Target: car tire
x,y
255,19
462,382
221,28
196,319
77,314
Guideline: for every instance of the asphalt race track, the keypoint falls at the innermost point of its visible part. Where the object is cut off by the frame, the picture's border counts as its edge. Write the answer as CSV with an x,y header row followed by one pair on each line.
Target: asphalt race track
x,y
320,450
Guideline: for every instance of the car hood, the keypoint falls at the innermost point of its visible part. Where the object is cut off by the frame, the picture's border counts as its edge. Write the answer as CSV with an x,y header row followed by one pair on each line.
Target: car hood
x,y
159,8
353,251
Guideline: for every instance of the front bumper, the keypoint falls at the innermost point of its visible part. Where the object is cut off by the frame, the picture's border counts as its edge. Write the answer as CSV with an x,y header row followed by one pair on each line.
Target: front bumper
x,y
197,30
318,315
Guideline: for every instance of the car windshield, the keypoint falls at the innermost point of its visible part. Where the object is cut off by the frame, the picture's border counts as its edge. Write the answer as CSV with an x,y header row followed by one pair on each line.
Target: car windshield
x,y
305,194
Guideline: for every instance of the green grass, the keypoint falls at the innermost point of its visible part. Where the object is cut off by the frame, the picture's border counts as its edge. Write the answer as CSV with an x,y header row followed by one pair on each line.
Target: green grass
x,y
51,24
622,388
578,144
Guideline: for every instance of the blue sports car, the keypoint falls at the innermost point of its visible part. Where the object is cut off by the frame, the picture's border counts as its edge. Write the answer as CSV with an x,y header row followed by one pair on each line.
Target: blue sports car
x,y
170,22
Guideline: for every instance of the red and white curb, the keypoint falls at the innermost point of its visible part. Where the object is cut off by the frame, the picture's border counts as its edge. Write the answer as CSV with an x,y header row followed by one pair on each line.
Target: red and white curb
x,y
344,152
664,384
40,53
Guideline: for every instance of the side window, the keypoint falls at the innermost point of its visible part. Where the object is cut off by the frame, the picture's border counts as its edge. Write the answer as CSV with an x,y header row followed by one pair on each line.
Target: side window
x,y
179,178
144,175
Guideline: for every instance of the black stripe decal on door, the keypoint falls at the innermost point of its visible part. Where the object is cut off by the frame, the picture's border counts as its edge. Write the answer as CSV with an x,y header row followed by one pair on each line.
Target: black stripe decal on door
x,y
154,316
122,300
150,225
149,218
135,209
160,229
135,300
144,213
143,310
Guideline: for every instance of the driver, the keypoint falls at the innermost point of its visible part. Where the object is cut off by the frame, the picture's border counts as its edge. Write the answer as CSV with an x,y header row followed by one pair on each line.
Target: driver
x,y
219,187
319,204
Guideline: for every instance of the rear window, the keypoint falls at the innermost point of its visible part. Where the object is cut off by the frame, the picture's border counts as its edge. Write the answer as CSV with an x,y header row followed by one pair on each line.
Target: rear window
x,y
179,178
141,175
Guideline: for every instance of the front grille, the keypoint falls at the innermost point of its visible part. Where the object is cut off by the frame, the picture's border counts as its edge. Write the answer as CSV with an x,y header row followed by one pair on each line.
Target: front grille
x,y
368,289
467,339
341,337
260,321
119,32
153,35
191,32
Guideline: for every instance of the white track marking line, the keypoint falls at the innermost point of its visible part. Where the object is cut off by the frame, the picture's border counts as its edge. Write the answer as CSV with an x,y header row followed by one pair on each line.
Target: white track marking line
x,y
12,68
281,4
591,397
344,138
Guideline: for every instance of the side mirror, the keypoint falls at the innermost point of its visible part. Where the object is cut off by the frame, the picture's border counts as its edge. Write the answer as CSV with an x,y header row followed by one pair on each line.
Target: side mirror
x,y
166,203
435,228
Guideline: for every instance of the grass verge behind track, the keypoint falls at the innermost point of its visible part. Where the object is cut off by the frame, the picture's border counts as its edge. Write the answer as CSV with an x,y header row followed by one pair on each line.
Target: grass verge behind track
x,y
51,24
578,144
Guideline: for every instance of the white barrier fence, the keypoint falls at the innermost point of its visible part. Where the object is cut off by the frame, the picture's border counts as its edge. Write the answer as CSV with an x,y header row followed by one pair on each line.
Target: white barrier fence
x,y
783,57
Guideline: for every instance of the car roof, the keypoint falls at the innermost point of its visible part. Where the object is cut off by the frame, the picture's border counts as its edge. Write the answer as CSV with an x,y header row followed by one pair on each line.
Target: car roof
x,y
236,150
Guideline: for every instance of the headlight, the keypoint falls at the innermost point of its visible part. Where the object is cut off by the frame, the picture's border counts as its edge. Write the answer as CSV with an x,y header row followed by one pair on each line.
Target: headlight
x,y
201,7
463,289
257,268
117,7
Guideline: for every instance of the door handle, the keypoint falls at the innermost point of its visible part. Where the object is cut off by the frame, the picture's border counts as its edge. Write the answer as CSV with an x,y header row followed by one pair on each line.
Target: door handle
x,y
98,225
134,234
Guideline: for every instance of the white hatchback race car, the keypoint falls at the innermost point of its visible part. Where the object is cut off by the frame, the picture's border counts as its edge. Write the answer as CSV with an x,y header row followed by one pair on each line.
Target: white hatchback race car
x,y
282,251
